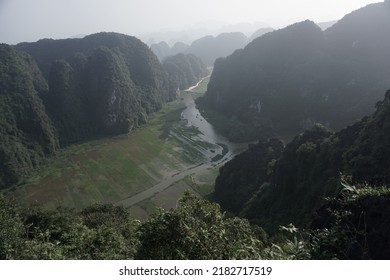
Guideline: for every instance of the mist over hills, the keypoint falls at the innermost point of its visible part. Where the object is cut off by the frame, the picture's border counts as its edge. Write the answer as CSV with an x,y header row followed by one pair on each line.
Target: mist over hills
x,y
189,35
325,25
289,79
161,50
185,69
209,48
323,195
259,32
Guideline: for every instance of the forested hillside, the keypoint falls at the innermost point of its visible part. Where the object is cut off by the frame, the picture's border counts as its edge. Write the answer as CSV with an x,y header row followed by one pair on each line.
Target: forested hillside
x,y
272,186
161,50
26,132
78,89
106,83
290,79
185,69
316,185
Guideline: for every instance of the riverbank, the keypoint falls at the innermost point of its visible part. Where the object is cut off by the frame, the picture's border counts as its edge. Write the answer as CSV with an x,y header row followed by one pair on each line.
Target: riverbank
x,y
216,151
148,168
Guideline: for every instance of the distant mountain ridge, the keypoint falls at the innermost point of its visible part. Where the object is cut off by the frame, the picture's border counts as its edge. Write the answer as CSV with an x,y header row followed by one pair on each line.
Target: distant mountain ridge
x,y
187,36
163,50
287,80
209,48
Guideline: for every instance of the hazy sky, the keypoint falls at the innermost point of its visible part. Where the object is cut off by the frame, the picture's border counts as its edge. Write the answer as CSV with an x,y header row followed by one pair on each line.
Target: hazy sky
x,y
30,20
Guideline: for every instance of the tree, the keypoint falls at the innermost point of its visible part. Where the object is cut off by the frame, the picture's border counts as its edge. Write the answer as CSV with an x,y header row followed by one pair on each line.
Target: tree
x,y
197,229
11,229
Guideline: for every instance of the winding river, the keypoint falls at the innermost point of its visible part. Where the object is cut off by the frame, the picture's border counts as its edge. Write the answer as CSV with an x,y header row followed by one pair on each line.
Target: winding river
x,y
223,147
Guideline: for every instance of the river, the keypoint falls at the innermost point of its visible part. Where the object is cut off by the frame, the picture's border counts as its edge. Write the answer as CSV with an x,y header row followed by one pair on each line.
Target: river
x,y
224,150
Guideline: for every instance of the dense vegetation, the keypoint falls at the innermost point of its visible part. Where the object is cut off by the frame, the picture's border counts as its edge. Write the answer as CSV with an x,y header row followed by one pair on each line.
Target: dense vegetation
x,y
26,132
66,91
105,83
197,229
185,69
288,80
332,185
273,187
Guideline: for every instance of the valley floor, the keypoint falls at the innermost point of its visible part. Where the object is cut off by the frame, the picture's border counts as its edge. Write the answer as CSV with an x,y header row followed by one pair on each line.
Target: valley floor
x,y
148,168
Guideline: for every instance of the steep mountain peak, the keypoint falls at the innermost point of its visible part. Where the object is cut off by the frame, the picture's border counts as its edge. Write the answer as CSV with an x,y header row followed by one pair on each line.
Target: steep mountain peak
x,y
209,48
366,20
228,35
260,32
161,50
114,73
291,78
303,33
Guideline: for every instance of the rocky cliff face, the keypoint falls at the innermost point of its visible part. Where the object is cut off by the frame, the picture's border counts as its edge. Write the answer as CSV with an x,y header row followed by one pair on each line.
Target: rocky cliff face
x,y
105,83
185,69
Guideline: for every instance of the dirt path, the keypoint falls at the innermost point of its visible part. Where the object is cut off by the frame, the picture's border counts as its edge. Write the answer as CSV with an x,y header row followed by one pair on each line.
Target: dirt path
x,y
166,183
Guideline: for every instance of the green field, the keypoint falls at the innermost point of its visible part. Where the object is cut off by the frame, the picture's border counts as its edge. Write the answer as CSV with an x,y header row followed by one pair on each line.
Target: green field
x,y
110,169
201,184
201,88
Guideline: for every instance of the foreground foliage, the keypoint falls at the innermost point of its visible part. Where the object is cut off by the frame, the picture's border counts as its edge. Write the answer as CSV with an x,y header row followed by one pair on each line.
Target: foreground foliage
x,y
196,229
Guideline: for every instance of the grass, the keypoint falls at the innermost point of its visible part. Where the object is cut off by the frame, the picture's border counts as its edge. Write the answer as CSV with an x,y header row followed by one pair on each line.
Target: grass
x,y
110,169
201,89
201,184
104,170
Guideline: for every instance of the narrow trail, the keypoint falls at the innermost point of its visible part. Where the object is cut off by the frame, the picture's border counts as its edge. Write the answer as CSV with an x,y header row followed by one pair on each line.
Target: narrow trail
x,y
166,183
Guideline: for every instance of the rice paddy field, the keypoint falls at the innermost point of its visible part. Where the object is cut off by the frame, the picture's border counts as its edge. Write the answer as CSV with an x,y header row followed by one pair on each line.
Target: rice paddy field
x,y
111,169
